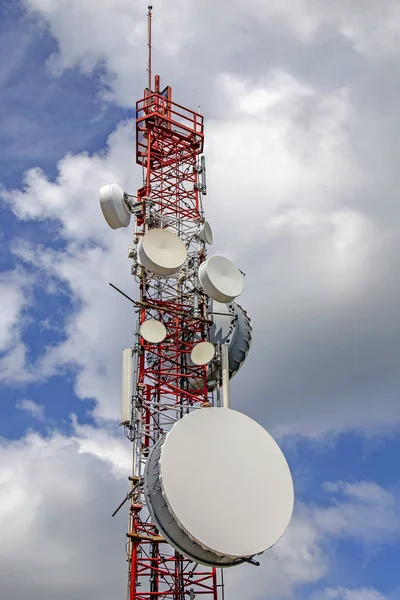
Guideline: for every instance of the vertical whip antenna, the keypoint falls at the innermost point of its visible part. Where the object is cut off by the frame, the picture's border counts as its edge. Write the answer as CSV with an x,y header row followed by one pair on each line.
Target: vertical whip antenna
x,y
150,8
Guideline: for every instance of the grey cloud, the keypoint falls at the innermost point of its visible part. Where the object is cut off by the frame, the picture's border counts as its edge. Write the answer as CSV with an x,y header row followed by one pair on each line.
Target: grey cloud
x,y
318,364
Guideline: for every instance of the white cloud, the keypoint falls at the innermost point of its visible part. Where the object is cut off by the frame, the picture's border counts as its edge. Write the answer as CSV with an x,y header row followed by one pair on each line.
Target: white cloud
x,y
354,516
15,297
342,593
72,200
100,325
201,38
58,537
36,410
291,157
13,365
106,444
371,31
12,304
112,35
97,329
66,543
366,492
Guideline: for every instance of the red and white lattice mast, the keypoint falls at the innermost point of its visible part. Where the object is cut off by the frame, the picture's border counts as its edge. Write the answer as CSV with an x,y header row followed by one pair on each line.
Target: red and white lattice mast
x,y
169,142
191,338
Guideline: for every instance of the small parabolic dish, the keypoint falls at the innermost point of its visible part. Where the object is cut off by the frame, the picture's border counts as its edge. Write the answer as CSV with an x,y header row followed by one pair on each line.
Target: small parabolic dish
x,y
112,203
231,326
153,331
162,252
227,496
202,353
205,233
221,279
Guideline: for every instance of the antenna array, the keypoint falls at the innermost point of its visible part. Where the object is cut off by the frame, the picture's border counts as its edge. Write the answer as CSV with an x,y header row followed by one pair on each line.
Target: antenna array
x,y
189,512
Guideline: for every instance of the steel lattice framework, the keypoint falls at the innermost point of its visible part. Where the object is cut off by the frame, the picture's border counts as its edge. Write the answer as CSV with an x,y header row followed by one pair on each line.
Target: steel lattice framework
x,y
169,144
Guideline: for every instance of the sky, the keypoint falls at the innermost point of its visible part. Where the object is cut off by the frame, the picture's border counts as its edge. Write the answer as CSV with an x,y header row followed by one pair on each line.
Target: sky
x,y
301,102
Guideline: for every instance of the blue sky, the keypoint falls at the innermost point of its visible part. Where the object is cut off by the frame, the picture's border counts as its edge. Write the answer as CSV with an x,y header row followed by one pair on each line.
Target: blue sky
x,y
299,141
43,117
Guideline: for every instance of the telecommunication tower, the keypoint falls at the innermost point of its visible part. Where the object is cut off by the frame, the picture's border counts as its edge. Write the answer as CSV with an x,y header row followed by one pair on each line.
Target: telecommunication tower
x,y
209,487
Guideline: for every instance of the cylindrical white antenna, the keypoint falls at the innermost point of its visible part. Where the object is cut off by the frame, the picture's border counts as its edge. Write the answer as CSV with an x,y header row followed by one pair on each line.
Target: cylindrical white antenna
x,y
225,376
203,175
127,385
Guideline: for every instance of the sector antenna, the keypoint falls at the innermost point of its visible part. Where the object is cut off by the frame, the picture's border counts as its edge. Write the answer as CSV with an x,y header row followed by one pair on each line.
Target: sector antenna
x,y
210,488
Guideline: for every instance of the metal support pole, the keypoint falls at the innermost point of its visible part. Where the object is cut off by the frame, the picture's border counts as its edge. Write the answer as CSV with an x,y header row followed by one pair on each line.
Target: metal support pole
x,y
225,376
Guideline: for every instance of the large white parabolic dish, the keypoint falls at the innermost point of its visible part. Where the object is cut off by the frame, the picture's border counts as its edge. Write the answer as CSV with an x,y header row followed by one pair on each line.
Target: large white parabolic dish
x,y
219,487
162,252
115,210
221,279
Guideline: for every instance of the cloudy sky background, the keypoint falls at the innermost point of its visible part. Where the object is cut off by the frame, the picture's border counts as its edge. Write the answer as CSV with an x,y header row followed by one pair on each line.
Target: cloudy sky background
x,y
301,99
